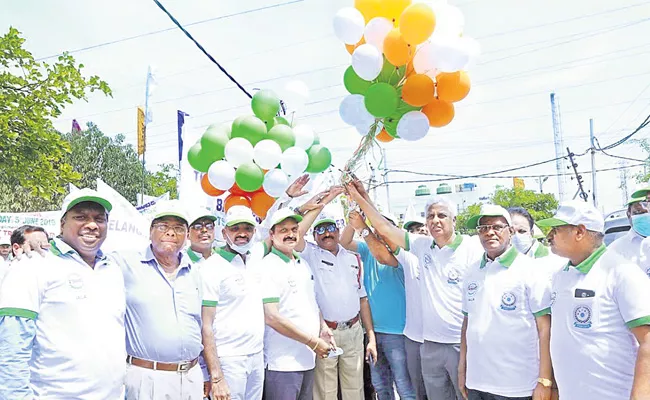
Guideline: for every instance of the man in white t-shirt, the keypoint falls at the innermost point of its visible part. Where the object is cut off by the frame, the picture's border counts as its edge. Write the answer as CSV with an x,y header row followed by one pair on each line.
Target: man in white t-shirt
x,y
506,302
201,235
628,246
600,335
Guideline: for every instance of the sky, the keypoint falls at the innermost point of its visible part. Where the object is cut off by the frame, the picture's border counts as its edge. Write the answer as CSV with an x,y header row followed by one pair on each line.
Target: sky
x,y
594,54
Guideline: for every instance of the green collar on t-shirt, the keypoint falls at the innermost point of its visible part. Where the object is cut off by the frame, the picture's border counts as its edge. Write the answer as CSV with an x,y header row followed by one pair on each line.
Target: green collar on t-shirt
x,y
454,243
589,262
506,259
283,256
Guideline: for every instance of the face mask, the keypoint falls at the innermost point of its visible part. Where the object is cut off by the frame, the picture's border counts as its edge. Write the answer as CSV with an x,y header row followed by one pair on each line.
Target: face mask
x,y
241,249
522,242
641,224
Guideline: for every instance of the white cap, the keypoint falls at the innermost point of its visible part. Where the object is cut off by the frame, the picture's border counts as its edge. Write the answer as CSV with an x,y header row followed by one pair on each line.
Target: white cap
x,y
201,212
415,220
170,208
283,214
81,195
324,218
576,213
5,240
238,214
489,210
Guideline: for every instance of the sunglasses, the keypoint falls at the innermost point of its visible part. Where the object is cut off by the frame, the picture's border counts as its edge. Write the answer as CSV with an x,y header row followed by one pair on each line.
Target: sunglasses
x,y
320,229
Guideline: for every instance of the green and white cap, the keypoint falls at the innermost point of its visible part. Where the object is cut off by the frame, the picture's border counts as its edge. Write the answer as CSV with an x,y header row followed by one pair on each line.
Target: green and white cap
x,y
283,214
415,220
489,210
641,192
324,218
636,200
199,213
5,240
576,213
239,214
82,195
170,208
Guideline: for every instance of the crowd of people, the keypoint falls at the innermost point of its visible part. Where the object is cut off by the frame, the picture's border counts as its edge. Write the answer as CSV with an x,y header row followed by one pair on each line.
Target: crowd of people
x,y
297,307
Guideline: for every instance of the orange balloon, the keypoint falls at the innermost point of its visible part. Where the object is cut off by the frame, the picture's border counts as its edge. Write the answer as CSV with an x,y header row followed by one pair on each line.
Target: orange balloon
x,y
439,113
453,86
261,203
237,191
410,69
369,8
417,23
208,188
418,90
351,47
396,50
384,136
236,200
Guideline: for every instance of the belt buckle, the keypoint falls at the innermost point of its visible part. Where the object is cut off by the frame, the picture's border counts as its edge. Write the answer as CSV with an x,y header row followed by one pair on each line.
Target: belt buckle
x,y
343,326
183,367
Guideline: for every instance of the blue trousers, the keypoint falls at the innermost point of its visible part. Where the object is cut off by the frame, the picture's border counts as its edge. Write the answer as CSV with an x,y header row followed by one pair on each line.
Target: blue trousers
x,y
390,367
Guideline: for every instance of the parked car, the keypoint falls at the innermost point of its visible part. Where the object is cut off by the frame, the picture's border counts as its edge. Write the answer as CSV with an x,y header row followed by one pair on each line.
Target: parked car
x,y
616,225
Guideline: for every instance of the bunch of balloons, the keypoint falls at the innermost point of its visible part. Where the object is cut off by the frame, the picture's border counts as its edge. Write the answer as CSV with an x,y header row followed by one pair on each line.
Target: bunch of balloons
x,y
409,62
254,157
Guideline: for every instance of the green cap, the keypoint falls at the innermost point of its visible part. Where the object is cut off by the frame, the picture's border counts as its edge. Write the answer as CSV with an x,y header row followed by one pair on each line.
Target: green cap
x,y
489,210
170,208
284,214
641,193
635,200
82,195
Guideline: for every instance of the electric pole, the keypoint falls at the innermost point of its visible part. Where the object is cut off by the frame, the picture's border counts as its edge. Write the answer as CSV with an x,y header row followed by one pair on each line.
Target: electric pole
x,y
593,162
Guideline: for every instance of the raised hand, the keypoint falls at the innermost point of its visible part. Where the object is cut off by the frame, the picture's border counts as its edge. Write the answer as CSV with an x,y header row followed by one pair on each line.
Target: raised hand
x,y
297,188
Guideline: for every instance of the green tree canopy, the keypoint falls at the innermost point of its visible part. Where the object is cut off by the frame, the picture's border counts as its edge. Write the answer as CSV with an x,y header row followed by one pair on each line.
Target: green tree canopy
x,y
32,94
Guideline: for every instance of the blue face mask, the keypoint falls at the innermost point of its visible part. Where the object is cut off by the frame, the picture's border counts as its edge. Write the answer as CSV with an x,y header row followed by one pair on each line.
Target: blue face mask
x,y
641,224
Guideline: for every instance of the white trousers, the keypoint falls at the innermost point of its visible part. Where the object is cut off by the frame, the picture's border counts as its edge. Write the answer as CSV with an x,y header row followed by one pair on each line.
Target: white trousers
x,y
149,384
244,375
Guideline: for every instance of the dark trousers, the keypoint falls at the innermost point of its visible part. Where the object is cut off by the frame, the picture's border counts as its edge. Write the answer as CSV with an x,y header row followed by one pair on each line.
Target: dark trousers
x,y
478,395
289,385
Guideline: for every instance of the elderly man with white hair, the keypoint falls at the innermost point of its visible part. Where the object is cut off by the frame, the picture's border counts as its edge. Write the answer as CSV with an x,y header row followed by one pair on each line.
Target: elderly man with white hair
x,y
444,257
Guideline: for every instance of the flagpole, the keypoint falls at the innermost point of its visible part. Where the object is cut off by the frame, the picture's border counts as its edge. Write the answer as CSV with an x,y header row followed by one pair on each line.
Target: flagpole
x,y
146,121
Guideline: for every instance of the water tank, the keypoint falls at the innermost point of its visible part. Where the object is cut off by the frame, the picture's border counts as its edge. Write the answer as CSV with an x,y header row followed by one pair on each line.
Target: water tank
x,y
443,188
422,190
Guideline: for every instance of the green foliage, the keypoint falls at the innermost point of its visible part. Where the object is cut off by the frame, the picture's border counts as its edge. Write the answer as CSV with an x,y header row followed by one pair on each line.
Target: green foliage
x,y
643,177
32,94
163,181
461,219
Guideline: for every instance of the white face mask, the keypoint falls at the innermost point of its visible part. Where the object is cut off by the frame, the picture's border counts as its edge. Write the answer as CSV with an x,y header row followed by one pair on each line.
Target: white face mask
x,y
522,242
241,249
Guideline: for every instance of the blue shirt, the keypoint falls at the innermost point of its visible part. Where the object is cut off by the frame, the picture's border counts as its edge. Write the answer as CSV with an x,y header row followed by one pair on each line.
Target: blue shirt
x,y
386,294
163,318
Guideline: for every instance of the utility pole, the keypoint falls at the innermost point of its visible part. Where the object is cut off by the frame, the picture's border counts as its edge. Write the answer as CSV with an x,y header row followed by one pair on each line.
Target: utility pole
x,y
581,191
593,162
558,140
383,155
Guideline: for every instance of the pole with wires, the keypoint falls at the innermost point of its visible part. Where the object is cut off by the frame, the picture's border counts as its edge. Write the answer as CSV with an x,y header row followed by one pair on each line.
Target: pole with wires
x,y
593,163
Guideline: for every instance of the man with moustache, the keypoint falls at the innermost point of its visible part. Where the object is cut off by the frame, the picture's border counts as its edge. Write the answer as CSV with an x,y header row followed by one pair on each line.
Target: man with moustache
x,y
163,313
293,332
34,236
201,235
62,315
505,334
342,299
233,314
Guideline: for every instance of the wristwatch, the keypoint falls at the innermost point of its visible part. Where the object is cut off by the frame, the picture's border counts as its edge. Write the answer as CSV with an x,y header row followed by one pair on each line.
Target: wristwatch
x,y
297,211
365,232
545,382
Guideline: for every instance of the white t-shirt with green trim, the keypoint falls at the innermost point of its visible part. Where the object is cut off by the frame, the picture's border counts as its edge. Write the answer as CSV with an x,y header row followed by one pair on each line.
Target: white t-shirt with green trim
x,y
289,282
441,276
413,329
79,348
234,288
594,306
501,299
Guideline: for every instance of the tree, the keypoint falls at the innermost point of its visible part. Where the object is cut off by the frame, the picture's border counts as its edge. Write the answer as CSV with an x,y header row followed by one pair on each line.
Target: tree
x,y
163,181
462,218
32,94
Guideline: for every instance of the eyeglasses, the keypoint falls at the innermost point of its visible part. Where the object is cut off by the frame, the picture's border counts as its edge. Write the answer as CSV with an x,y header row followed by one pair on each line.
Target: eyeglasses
x,y
331,228
487,228
164,228
199,226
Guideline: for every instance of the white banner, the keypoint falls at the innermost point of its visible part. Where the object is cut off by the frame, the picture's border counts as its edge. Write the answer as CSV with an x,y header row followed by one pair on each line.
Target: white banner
x,y
150,202
49,220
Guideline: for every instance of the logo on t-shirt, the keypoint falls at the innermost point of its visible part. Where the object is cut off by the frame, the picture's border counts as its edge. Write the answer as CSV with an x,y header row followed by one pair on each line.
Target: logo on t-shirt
x,y
453,277
508,301
427,260
582,317
472,288
647,271
553,297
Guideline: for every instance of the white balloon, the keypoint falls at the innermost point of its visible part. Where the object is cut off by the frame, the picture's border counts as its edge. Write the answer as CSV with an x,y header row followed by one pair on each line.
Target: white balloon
x,y
367,62
448,54
348,25
473,49
376,31
267,154
221,175
366,128
413,125
449,20
304,136
353,111
275,182
423,60
294,160
239,151
295,95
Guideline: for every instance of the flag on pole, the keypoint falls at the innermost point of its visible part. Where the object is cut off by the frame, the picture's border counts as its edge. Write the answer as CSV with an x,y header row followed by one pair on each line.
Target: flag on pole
x,y
142,129
75,126
181,122
150,88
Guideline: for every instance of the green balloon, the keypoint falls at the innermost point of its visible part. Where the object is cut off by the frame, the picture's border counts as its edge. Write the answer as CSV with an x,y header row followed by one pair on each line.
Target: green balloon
x,y
236,122
250,128
391,74
381,100
265,104
215,138
281,121
390,124
249,177
282,135
320,159
353,83
199,159
403,108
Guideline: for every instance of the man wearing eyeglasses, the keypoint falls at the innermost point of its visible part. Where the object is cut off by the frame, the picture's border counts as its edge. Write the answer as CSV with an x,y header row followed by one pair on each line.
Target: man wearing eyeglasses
x,y
163,312
600,335
201,235
506,304
629,245
342,299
